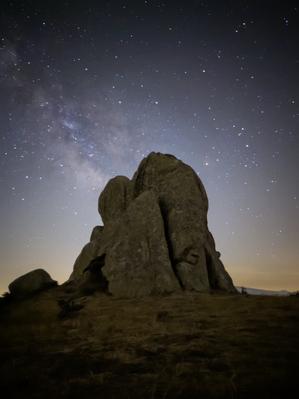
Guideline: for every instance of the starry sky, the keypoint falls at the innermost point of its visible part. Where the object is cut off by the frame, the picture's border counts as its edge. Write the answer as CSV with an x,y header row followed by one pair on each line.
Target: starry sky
x,y
88,88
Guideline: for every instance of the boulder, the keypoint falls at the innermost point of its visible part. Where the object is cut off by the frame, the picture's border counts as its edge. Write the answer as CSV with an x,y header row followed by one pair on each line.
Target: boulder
x,y
31,283
115,198
155,237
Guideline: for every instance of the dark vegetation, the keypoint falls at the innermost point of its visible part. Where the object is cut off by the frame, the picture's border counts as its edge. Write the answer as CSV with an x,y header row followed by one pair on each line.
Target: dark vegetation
x,y
54,345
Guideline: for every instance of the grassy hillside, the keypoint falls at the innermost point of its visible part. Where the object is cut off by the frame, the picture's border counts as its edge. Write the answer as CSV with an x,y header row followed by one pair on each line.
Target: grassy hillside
x,y
181,346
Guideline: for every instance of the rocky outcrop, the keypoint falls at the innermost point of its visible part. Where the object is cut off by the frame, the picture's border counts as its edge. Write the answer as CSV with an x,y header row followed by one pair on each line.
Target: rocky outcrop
x,y
31,283
155,236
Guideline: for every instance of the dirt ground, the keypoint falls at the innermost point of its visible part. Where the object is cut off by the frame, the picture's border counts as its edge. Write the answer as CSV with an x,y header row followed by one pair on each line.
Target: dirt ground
x,y
180,346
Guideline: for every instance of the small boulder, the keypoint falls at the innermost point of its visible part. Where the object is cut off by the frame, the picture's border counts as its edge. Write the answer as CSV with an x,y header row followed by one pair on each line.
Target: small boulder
x,y
31,283
115,198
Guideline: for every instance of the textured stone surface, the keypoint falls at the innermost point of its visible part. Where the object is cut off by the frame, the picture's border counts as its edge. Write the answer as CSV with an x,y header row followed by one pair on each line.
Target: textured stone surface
x,y
115,198
30,283
93,279
96,232
137,259
155,235
218,276
88,253
184,205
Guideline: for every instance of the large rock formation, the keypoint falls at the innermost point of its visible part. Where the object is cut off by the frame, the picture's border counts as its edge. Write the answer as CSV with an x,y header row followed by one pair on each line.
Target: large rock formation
x,y
30,283
155,236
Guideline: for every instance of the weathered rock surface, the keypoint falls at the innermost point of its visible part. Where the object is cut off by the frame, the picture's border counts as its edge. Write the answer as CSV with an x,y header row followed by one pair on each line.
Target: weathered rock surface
x,y
218,276
88,253
184,206
30,283
96,232
137,259
93,278
115,198
155,235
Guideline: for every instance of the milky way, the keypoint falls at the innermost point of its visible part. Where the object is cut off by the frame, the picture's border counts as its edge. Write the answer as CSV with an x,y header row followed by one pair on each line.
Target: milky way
x,y
90,88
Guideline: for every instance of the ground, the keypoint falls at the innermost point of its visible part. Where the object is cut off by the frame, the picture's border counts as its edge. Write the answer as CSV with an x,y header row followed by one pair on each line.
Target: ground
x,y
178,346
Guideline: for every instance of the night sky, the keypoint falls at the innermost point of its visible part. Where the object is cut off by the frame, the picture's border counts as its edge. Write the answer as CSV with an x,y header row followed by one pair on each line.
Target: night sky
x,y
87,89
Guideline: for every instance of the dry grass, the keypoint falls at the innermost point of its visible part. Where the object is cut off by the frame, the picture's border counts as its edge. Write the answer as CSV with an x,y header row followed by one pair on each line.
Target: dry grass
x,y
182,346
